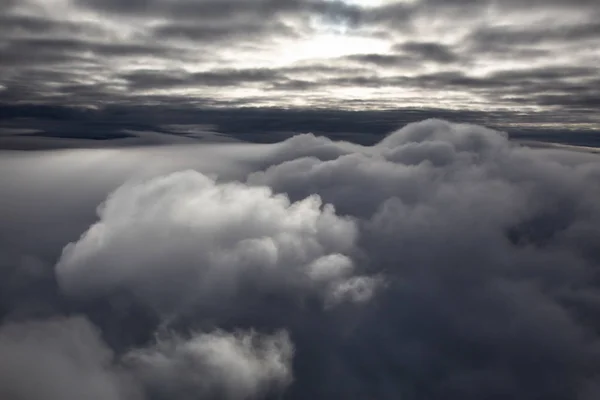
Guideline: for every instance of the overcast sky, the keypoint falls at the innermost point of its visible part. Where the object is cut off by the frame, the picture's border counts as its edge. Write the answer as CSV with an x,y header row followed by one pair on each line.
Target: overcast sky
x,y
299,199
523,56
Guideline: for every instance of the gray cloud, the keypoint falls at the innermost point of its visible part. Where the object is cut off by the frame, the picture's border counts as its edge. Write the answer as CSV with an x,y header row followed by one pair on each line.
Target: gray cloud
x,y
60,359
208,9
513,3
429,51
67,359
241,33
518,36
218,78
384,60
221,365
469,263
442,261
431,193
74,51
262,52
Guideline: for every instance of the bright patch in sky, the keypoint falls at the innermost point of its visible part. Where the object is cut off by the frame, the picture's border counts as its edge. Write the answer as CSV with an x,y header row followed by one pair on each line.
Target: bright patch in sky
x,y
362,2
330,45
373,3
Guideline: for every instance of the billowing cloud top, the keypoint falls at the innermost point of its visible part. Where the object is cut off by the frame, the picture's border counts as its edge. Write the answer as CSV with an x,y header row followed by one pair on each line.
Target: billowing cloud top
x,y
228,239
444,262
525,55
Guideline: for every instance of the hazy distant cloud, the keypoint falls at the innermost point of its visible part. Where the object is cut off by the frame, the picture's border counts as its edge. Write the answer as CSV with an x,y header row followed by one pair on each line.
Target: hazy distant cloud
x,y
61,358
218,78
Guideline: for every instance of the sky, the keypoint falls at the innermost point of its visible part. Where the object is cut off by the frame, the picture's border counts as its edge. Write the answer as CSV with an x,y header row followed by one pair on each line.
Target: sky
x,y
525,57
299,199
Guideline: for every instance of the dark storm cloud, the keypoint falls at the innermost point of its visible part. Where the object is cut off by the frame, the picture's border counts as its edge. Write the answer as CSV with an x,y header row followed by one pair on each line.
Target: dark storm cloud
x,y
442,262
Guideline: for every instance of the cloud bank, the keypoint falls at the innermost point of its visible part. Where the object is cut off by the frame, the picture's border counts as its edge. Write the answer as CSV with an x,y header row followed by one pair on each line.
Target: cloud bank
x,y
442,262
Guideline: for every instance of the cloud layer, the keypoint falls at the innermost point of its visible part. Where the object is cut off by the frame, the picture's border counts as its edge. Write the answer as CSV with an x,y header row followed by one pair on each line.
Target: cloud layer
x,y
526,56
442,262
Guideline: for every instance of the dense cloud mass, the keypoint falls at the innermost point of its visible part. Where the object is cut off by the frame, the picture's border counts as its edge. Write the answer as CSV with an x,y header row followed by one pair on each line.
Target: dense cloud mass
x,y
183,240
443,262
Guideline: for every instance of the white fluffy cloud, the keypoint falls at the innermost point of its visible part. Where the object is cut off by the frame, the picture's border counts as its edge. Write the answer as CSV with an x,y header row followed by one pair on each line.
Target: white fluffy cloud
x,y
221,365
183,240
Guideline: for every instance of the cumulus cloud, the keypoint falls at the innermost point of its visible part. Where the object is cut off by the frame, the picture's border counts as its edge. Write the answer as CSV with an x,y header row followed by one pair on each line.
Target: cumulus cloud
x,y
474,237
443,262
184,240
220,365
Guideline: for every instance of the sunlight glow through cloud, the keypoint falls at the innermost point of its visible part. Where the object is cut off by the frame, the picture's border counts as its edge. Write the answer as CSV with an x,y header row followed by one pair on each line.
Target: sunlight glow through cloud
x,y
485,54
329,46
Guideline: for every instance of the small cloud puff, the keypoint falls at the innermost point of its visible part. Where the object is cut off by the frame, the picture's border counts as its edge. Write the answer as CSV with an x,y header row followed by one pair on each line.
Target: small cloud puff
x,y
229,366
